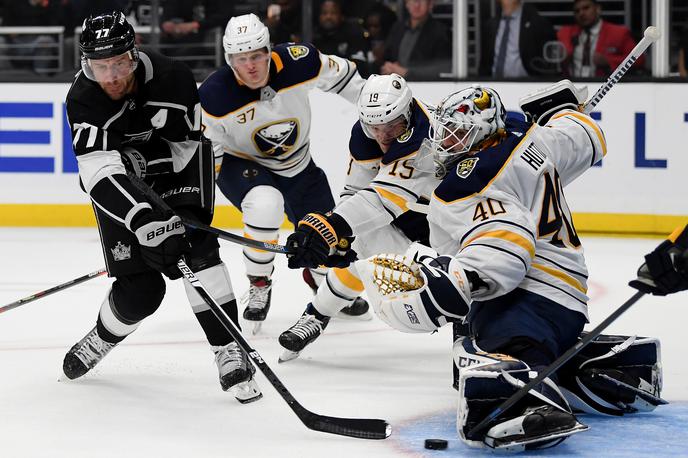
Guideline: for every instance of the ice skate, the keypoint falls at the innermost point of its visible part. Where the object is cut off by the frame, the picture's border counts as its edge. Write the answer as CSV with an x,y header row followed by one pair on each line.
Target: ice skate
x,y
236,373
257,301
85,354
309,327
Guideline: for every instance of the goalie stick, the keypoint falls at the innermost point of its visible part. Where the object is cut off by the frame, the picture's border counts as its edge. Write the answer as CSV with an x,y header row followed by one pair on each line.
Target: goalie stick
x,y
362,428
52,290
552,368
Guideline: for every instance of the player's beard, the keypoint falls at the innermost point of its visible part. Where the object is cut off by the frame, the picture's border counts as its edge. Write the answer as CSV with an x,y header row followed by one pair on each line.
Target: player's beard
x,y
119,88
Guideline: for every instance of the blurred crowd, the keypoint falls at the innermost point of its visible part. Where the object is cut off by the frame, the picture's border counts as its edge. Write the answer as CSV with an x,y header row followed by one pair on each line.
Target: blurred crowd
x,y
512,39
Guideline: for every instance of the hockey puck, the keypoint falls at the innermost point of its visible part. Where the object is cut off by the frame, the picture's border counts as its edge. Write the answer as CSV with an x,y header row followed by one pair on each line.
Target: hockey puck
x,y
436,444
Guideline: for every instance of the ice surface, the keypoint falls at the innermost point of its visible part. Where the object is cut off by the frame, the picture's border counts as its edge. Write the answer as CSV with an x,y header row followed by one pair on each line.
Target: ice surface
x,y
157,394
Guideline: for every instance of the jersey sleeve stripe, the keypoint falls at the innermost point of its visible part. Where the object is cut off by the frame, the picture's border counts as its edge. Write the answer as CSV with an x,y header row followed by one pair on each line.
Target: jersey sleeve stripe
x,y
497,222
587,121
348,279
571,271
509,236
561,276
510,253
396,199
393,185
557,288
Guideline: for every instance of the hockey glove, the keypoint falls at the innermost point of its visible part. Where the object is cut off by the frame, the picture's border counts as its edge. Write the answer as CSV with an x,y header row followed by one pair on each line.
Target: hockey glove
x,y
320,240
540,105
665,270
416,297
162,241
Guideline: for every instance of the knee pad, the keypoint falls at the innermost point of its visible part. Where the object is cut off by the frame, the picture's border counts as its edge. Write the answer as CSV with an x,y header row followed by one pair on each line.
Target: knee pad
x,y
488,379
614,375
263,209
131,299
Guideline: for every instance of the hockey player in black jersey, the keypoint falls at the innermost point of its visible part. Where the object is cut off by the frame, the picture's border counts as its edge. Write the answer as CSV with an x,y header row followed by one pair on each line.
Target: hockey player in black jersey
x,y
138,113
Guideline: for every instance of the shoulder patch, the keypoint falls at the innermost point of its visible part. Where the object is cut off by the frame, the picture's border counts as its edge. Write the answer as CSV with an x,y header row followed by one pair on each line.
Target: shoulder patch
x,y
465,167
298,51
403,138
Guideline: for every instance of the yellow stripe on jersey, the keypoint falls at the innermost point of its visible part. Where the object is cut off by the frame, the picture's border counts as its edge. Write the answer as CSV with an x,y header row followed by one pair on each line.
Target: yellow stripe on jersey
x,y
363,161
586,120
396,199
249,236
348,279
509,236
278,61
561,276
499,172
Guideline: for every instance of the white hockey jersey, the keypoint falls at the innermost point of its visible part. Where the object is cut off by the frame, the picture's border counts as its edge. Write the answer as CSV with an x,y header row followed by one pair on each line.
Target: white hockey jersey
x,y
502,212
271,125
380,186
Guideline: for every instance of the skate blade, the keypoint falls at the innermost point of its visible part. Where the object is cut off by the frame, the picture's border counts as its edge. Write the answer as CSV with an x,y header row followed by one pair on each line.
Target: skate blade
x,y
288,355
246,392
257,325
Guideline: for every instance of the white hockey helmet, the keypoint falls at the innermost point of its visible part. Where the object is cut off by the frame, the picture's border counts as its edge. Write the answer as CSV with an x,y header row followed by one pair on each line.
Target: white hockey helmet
x,y
466,121
383,99
245,33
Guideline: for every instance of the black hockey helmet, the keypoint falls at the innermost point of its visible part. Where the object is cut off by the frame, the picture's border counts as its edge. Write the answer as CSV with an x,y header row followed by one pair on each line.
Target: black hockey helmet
x,y
106,35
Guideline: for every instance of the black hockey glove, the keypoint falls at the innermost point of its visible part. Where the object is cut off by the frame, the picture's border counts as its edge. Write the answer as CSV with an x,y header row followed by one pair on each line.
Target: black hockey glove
x,y
666,268
162,241
320,240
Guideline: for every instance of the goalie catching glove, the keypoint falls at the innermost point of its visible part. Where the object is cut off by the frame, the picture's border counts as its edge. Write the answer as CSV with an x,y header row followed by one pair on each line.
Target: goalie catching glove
x,y
162,241
416,295
321,240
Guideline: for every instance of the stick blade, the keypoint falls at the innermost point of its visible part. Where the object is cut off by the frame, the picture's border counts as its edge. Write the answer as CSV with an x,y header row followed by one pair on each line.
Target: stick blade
x,y
361,428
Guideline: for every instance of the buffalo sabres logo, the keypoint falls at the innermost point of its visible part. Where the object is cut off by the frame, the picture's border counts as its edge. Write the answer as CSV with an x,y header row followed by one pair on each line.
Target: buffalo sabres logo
x,y
466,166
276,138
298,51
403,138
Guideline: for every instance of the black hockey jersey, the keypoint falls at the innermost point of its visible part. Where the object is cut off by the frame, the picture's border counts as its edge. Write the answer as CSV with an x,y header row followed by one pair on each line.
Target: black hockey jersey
x,y
155,131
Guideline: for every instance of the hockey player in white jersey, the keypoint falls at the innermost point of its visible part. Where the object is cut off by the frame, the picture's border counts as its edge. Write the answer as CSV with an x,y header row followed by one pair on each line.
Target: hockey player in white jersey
x,y
512,268
376,204
257,113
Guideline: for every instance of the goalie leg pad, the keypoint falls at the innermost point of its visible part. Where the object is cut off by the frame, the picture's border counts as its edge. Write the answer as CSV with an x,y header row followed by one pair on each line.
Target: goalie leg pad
x,y
541,419
614,375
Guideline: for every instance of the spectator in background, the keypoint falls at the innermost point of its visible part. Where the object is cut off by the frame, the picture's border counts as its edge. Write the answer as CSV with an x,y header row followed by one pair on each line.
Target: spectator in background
x,y
418,48
33,52
284,21
335,35
594,47
513,44
378,21
188,21
683,54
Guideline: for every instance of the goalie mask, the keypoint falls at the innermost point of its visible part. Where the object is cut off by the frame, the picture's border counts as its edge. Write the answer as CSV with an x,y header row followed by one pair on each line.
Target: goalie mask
x,y
464,122
384,108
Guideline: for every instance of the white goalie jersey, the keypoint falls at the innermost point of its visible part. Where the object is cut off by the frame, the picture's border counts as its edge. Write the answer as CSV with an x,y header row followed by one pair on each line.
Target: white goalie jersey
x,y
271,125
502,212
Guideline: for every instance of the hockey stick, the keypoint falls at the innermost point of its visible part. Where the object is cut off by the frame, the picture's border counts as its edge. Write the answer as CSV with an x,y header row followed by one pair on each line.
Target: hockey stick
x,y
52,290
552,368
193,224
361,428
650,35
